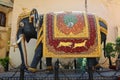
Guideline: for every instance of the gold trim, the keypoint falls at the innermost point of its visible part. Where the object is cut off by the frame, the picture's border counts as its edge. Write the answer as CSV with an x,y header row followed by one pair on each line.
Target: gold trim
x,y
103,30
99,36
39,37
44,38
99,18
24,14
39,40
32,69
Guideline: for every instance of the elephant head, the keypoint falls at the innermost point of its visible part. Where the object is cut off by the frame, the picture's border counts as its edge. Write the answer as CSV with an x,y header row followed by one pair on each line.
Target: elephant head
x,y
28,25
28,29
25,32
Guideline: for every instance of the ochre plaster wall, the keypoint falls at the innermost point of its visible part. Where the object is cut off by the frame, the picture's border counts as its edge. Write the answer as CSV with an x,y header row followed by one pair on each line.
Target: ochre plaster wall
x,y
5,31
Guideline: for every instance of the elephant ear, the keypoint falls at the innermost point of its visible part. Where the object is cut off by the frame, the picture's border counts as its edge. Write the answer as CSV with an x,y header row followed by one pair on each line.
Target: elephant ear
x,y
34,15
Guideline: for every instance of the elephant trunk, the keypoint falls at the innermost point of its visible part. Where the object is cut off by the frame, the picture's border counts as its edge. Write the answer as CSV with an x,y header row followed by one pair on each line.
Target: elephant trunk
x,y
22,48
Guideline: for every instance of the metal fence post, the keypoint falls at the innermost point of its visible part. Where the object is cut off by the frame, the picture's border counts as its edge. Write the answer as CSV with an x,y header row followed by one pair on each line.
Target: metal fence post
x,y
56,69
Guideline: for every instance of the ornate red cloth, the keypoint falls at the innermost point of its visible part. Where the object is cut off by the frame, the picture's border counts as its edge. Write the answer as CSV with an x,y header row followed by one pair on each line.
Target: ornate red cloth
x,y
71,34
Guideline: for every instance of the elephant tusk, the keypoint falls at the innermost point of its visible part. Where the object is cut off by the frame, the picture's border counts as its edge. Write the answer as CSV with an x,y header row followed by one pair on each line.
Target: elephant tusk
x,y
19,40
14,45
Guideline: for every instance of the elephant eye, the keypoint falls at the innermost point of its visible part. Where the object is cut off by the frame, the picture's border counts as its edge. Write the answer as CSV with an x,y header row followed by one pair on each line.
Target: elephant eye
x,y
21,24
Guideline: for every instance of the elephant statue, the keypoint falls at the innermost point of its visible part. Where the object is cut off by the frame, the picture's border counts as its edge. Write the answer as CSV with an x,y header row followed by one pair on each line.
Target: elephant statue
x,y
30,26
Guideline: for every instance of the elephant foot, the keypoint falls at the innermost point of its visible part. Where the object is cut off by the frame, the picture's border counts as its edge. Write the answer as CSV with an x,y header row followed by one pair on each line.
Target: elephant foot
x,y
98,67
49,68
33,70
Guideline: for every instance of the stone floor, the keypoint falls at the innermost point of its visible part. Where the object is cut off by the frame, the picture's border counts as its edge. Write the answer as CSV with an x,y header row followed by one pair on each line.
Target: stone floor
x,y
65,74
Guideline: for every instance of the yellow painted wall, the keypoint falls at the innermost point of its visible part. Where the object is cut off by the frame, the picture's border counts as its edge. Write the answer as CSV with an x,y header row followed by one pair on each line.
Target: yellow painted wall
x,y
5,31
106,11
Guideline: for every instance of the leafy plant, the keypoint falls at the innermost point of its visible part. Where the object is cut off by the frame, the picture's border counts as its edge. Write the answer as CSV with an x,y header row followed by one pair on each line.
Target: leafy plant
x,y
110,51
4,61
117,46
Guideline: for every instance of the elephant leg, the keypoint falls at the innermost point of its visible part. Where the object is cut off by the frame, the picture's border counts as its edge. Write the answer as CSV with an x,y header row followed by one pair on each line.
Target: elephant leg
x,y
104,48
36,59
38,55
49,63
20,46
90,63
24,64
22,55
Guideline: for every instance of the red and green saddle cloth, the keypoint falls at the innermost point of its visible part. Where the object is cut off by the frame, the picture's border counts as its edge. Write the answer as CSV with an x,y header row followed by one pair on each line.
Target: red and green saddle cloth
x,y
71,34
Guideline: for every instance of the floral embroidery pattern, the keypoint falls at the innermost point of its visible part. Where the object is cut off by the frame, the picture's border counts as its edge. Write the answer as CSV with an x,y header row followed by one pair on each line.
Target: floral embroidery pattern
x,y
70,23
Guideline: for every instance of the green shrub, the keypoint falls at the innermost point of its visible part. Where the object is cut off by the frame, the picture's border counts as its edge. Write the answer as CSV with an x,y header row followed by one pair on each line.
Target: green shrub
x,y
4,61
